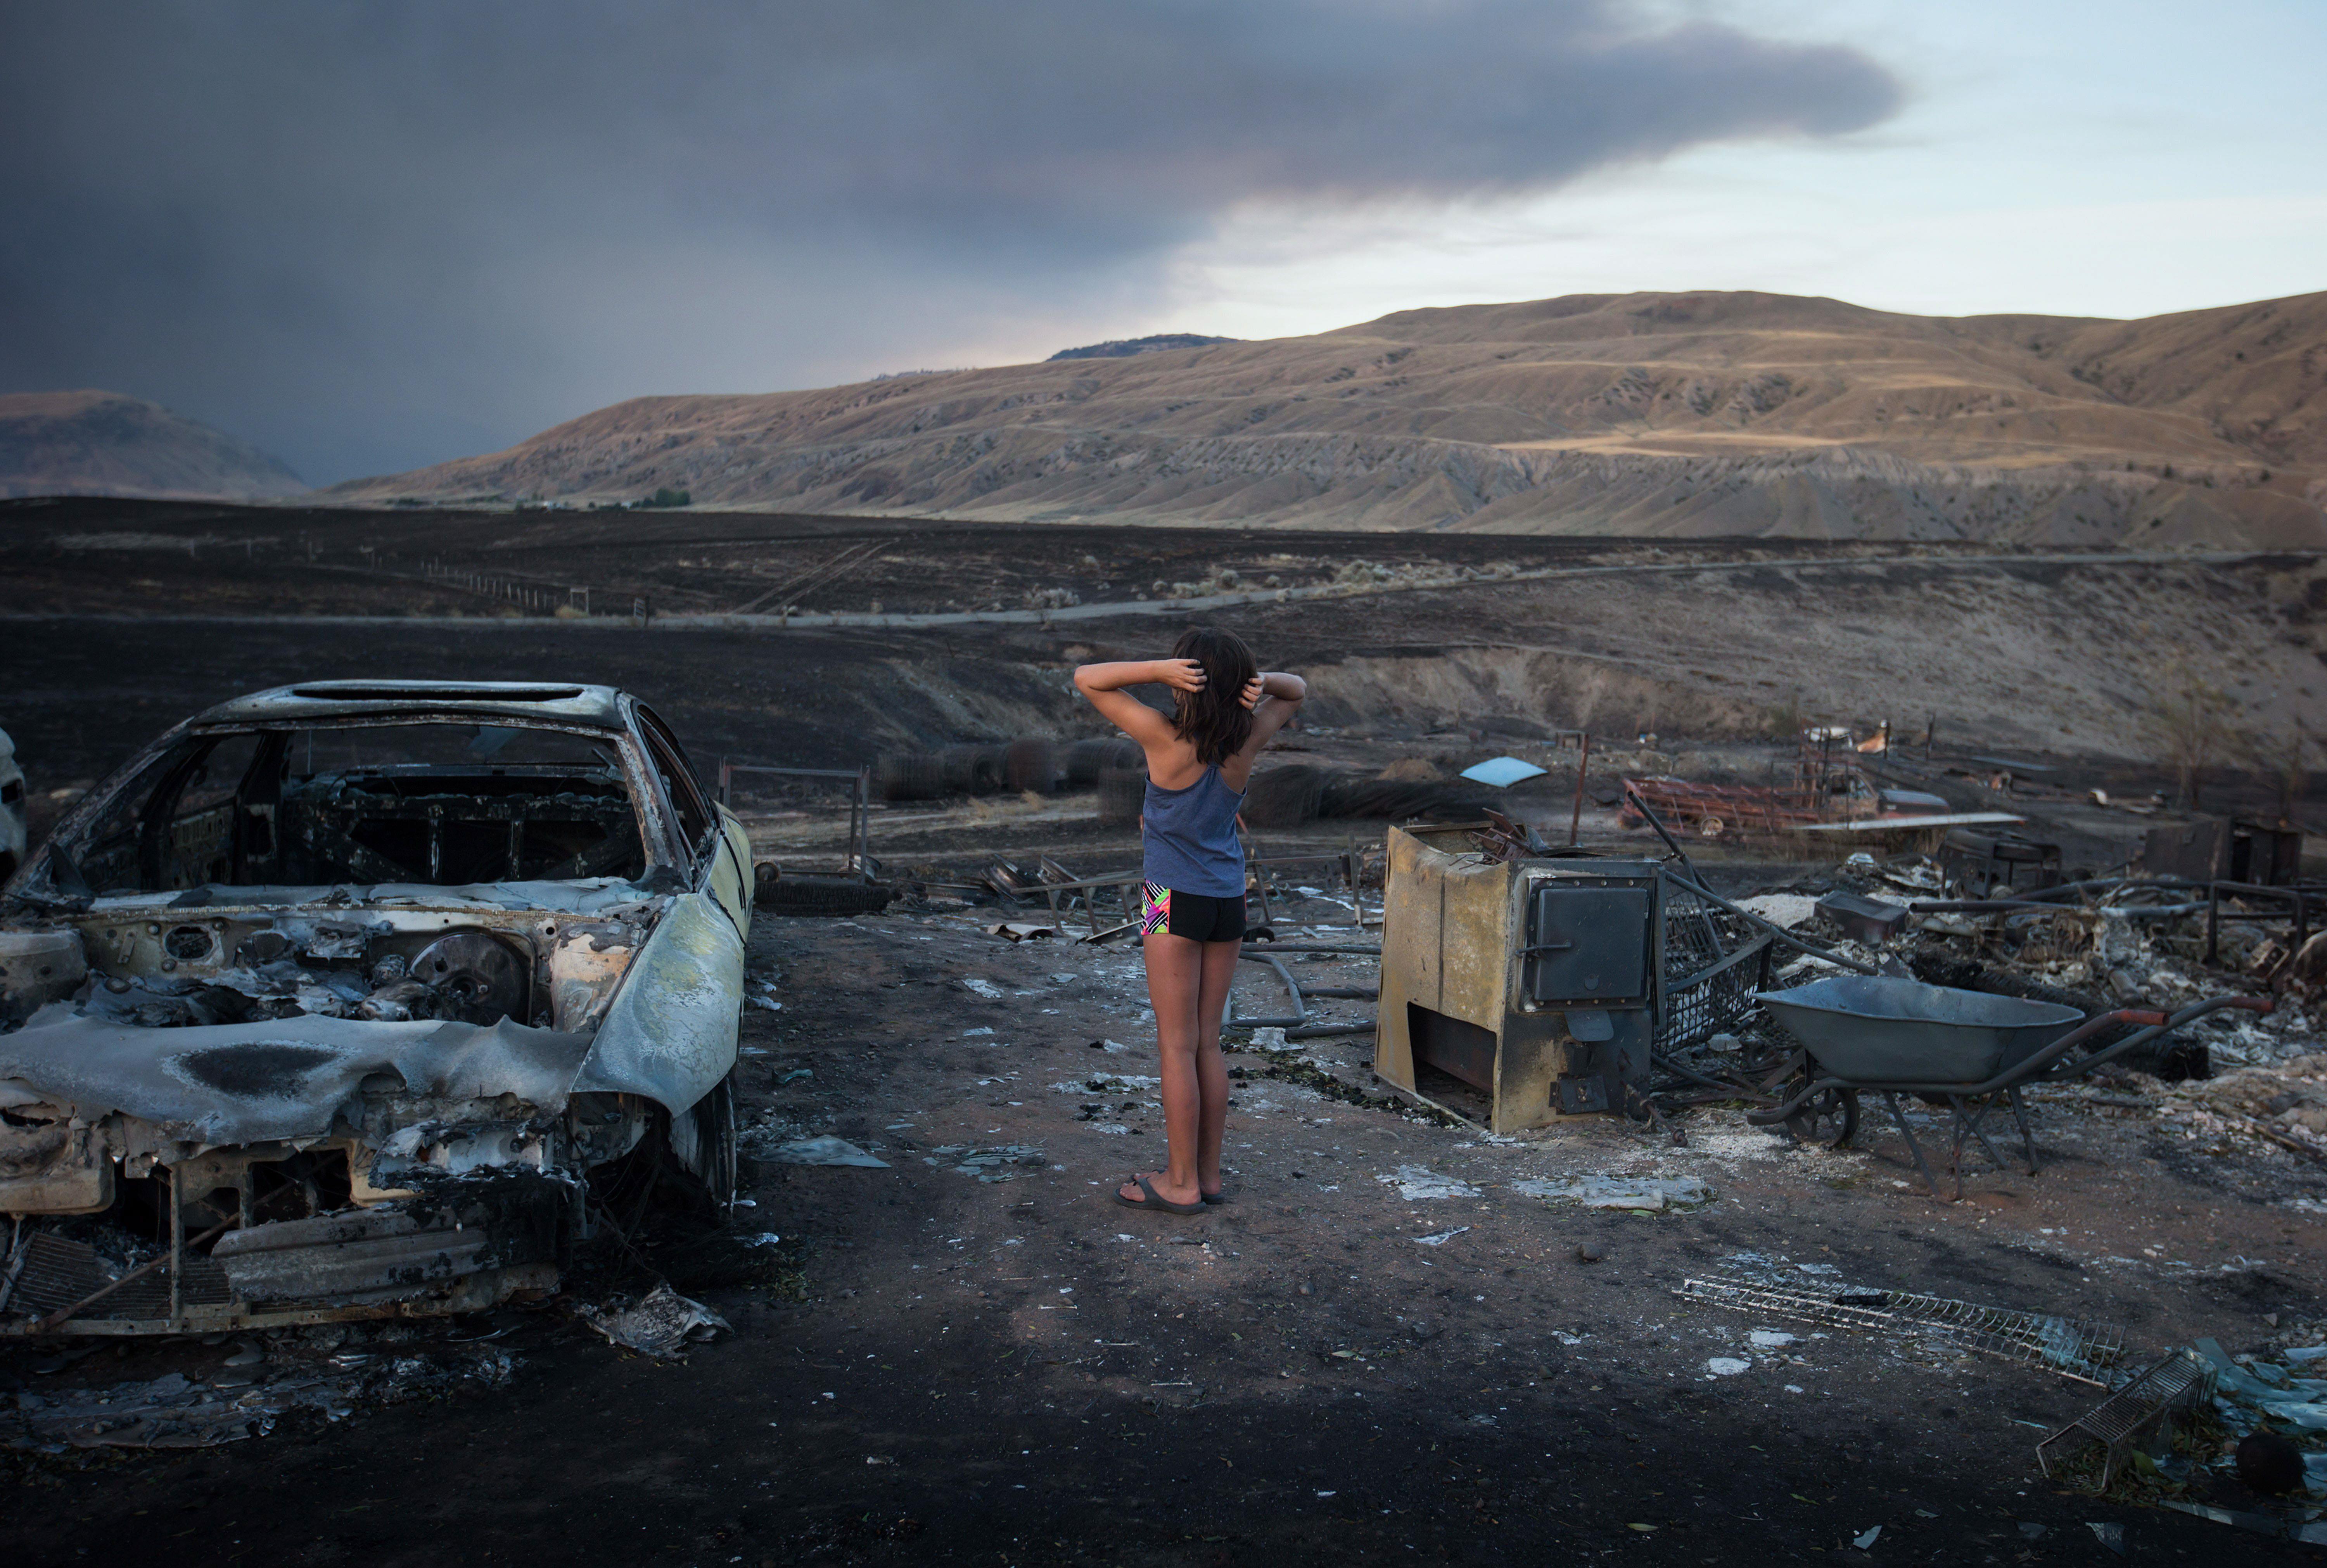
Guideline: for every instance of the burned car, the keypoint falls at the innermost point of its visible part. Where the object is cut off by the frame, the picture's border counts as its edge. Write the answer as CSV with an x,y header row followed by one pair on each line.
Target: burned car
x,y
362,999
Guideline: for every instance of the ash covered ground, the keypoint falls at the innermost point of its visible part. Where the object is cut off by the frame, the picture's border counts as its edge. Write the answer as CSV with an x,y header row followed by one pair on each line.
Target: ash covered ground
x,y
1385,1347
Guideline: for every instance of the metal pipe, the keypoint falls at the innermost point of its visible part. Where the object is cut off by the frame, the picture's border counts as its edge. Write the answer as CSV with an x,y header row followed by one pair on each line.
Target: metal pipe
x,y
1322,1030
1780,932
2001,906
1314,947
1575,818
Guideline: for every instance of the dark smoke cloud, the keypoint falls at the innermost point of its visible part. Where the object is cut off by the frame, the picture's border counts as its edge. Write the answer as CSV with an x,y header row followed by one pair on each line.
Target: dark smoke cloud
x,y
370,235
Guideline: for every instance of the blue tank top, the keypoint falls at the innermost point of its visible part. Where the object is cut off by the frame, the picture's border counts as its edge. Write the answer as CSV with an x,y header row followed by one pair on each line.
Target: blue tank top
x,y
1190,838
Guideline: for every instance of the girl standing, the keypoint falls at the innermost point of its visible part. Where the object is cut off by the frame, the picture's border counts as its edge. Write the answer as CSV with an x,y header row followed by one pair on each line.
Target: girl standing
x,y
1198,761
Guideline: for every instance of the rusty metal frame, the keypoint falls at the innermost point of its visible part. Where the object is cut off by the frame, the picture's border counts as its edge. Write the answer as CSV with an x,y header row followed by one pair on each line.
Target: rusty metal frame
x,y
860,802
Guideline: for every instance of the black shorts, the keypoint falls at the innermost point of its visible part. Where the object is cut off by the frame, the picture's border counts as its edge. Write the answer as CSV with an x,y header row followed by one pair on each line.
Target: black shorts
x,y
1191,914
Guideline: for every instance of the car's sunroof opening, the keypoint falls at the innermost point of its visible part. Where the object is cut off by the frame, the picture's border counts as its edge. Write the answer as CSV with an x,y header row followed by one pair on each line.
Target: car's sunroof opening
x,y
355,692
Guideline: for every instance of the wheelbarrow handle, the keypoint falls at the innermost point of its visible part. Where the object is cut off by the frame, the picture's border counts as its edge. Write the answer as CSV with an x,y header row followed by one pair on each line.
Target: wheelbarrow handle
x,y
2159,1024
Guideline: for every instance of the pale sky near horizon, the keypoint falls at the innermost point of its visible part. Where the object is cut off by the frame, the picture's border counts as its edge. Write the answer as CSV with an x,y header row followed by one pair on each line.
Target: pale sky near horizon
x,y
369,239
2068,157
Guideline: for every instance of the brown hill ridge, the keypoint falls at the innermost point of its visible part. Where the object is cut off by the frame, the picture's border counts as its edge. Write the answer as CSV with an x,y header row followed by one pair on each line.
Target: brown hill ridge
x,y
1652,414
102,444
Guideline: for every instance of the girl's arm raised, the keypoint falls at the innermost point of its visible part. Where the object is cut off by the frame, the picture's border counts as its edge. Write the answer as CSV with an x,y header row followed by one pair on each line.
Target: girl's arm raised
x,y
1103,683
1273,698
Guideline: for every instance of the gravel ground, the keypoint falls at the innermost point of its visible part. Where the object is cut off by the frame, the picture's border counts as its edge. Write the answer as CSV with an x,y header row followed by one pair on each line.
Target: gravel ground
x,y
1382,1347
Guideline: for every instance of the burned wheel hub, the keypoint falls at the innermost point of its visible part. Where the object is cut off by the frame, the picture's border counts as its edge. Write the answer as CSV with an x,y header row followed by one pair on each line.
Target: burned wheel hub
x,y
1829,1118
477,974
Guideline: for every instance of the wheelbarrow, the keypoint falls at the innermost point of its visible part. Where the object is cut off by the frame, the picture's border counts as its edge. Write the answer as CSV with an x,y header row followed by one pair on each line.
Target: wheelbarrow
x,y
1965,1050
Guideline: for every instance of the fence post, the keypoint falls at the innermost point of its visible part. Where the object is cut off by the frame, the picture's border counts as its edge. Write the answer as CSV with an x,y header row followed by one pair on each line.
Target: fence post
x,y
727,776
860,827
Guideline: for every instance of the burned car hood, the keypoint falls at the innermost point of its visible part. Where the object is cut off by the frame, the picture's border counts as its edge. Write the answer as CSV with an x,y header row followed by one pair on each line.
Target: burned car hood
x,y
588,897
285,1078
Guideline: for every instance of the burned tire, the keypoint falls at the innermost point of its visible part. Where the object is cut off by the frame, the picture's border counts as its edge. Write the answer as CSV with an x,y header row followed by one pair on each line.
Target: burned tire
x,y
975,770
913,777
1284,796
1122,796
823,895
716,1141
1031,765
1081,763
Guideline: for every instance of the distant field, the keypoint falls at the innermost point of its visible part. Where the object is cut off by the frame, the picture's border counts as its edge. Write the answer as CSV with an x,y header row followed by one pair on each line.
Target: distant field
x,y
121,617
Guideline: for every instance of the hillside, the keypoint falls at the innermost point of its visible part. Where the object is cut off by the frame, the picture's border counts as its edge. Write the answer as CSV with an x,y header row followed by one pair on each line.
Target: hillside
x,y
101,443
1683,415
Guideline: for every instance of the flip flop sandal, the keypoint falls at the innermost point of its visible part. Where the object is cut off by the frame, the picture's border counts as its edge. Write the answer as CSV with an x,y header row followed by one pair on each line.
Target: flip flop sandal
x,y
1156,1200
1217,1198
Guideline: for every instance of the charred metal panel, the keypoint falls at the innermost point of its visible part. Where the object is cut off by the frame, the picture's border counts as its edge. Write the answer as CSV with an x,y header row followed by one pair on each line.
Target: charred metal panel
x,y
670,1034
1588,944
288,1077
1463,1049
399,1251
36,968
2193,851
52,1162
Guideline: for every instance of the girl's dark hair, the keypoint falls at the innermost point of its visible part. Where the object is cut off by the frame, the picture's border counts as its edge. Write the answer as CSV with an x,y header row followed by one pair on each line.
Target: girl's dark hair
x,y
1215,720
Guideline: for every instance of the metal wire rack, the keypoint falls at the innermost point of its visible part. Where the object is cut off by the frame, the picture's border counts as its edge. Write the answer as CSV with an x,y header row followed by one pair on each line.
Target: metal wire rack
x,y
2146,1404
2074,1349
1713,963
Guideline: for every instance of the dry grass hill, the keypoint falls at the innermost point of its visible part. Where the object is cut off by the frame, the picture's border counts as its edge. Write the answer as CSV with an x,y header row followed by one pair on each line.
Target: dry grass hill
x,y
102,444
1653,414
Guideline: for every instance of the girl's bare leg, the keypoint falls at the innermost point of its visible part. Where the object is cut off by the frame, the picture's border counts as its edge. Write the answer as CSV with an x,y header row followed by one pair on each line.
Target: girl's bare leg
x,y
1175,983
1219,961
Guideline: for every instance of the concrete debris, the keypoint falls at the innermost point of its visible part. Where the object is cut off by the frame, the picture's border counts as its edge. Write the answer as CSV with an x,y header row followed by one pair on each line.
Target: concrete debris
x,y
825,1149
1020,931
1785,910
1653,1194
1415,1183
1005,1163
2249,1390
662,1324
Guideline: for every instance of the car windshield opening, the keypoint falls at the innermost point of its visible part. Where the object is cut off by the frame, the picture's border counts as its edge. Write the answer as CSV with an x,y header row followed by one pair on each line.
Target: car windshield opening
x,y
441,805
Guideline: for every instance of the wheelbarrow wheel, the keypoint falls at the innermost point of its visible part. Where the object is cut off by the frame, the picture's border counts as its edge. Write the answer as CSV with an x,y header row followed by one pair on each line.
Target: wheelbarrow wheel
x,y
1828,1118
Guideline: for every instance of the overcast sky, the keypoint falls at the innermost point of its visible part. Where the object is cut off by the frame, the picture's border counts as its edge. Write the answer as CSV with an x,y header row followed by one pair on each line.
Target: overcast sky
x,y
372,236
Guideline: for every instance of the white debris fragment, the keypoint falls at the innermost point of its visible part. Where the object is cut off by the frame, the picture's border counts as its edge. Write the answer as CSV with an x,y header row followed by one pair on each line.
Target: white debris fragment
x,y
985,988
1785,911
1728,1366
1417,1182
1655,1194
1771,1339
827,1150
973,1034
660,1325
1439,1239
